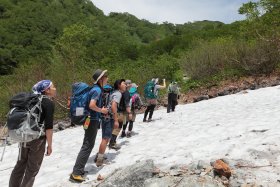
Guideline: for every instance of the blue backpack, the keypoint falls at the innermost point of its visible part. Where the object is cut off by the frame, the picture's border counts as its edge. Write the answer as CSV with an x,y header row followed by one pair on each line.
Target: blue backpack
x,y
149,90
79,103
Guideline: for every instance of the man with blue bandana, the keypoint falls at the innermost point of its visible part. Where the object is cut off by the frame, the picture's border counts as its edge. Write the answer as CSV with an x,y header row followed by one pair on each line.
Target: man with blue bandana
x,y
32,153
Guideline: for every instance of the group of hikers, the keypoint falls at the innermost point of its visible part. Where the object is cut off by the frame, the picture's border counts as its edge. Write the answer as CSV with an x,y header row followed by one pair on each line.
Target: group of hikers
x,y
112,108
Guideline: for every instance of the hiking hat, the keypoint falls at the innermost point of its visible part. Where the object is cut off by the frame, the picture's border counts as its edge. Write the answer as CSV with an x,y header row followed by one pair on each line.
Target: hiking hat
x,y
155,80
98,74
134,85
41,86
127,82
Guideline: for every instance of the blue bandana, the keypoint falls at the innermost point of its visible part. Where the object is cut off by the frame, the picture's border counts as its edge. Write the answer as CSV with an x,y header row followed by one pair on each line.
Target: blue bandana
x,y
41,86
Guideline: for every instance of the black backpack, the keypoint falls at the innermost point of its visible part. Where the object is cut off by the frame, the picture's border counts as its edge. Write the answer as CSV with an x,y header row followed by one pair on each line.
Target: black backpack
x,y
24,116
122,105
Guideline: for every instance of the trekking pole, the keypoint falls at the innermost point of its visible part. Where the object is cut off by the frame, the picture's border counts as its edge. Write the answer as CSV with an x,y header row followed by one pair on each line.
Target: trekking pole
x,y
63,106
5,143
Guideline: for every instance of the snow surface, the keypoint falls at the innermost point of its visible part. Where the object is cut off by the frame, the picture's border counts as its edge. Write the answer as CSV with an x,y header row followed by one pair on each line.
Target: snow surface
x,y
235,127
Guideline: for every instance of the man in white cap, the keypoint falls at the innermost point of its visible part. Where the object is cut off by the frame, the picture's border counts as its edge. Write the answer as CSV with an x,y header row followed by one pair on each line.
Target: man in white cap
x,y
95,106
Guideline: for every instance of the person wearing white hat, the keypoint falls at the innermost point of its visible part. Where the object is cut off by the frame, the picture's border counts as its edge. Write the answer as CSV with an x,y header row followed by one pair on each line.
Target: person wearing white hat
x,y
152,102
173,94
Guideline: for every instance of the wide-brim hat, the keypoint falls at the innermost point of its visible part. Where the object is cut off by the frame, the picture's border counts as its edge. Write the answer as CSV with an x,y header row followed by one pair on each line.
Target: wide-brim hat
x,y
98,74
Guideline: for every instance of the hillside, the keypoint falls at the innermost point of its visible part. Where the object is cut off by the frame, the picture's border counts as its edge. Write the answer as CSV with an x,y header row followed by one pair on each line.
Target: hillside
x,y
65,41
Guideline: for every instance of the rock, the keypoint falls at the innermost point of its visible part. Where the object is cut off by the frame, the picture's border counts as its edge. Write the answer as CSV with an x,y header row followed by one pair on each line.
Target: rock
x,y
175,173
197,172
156,171
159,182
134,175
192,167
200,164
200,98
221,169
198,182
222,93
100,178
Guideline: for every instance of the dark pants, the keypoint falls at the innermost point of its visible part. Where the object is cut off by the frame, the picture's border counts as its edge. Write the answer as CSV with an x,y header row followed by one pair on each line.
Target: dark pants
x,y
88,144
150,109
172,102
130,127
28,166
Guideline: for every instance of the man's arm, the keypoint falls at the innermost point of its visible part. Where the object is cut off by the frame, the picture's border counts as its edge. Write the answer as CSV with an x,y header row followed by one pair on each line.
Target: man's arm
x,y
93,106
49,135
163,86
115,114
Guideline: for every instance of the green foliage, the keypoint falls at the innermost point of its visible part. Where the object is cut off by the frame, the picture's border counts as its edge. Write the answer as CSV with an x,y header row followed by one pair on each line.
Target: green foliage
x,y
66,40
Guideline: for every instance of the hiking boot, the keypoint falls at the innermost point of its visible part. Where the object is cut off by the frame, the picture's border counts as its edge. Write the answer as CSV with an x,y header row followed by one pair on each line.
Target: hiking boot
x,y
144,120
123,134
128,134
114,146
99,162
95,158
77,178
150,119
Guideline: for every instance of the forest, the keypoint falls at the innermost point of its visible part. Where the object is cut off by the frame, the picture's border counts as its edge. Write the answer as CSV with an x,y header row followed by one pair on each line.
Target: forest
x,y
66,40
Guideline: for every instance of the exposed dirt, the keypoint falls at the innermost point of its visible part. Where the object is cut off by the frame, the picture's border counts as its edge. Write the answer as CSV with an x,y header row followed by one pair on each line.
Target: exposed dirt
x,y
230,87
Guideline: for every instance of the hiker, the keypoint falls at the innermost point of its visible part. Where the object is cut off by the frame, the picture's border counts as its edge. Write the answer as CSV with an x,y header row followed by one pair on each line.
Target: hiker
x,y
124,113
151,95
32,153
135,104
173,95
95,106
110,121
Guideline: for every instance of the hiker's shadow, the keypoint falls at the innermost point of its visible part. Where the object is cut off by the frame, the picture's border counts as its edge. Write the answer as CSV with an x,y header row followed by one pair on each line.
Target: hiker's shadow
x,y
93,169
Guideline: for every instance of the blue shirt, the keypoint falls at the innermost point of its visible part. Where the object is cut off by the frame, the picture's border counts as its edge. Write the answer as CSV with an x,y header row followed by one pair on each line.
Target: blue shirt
x,y
95,94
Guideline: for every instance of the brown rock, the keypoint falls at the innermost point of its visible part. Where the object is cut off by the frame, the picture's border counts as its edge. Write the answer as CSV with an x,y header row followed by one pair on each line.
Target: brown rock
x,y
100,178
221,168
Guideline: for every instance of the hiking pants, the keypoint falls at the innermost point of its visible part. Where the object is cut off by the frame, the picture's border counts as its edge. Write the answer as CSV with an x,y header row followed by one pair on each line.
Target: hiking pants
x,y
172,102
150,109
88,144
130,127
28,166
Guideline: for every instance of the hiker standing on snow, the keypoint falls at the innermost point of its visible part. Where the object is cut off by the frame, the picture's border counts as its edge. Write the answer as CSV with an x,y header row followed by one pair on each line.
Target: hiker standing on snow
x,y
173,95
95,106
32,153
124,112
151,95
110,120
135,104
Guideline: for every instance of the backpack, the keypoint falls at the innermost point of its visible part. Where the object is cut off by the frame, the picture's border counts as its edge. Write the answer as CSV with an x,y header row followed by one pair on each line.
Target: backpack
x,y
24,116
135,101
122,104
149,90
107,91
79,103
173,88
